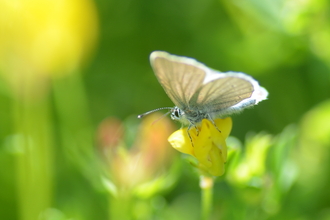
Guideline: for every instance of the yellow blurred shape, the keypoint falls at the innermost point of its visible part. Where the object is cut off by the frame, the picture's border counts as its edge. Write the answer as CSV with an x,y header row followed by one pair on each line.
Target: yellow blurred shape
x,y
49,38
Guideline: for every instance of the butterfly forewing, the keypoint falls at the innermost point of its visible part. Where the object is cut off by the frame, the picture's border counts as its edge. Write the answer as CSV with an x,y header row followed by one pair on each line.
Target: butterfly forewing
x,y
180,77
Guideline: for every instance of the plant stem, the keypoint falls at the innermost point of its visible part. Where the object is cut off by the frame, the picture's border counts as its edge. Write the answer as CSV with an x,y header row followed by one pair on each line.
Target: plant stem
x,y
206,184
121,207
34,157
75,127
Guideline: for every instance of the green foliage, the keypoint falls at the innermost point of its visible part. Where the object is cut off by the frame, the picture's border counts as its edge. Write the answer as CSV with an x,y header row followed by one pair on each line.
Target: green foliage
x,y
279,152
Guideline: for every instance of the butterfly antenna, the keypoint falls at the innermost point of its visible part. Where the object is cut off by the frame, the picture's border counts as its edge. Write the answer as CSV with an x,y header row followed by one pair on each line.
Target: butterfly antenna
x,y
147,113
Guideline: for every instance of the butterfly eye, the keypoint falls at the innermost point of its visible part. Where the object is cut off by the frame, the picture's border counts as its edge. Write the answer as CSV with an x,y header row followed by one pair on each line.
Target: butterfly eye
x,y
176,113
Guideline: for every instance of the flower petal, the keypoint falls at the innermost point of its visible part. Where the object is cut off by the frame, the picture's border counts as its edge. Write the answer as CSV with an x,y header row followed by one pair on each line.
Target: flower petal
x,y
224,125
218,162
181,141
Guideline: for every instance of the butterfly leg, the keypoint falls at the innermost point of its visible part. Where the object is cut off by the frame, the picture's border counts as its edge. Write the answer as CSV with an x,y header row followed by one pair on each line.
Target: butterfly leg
x,y
197,130
214,123
189,127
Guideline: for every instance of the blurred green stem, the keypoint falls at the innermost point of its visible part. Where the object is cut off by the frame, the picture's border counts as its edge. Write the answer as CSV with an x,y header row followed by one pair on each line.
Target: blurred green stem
x,y
75,128
206,184
32,141
121,207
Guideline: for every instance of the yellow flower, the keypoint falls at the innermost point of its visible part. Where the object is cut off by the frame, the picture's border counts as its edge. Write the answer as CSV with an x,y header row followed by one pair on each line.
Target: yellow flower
x,y
41,40
49,37
208,147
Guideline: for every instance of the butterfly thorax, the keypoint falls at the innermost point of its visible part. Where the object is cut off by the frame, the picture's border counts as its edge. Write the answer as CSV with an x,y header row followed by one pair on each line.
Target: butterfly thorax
x,y
188,116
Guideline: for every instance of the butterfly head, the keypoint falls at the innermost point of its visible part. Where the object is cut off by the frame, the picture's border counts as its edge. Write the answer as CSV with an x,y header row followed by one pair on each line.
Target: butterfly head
x,y
177,113
186,117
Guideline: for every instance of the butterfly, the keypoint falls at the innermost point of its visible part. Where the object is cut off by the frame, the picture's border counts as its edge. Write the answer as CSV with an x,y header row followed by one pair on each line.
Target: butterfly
x,y
200,92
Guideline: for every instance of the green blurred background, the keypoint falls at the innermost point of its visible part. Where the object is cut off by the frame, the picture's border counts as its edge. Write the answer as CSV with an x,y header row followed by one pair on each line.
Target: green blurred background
x,y
278,165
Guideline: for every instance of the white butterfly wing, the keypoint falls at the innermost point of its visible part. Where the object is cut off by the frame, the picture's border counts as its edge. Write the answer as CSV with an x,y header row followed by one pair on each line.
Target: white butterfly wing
x,y
192,85
225,93
180,77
